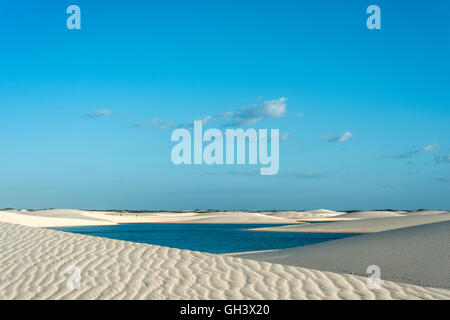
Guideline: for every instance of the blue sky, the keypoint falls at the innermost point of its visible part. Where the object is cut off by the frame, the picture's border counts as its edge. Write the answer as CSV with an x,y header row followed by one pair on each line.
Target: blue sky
x,y
86,115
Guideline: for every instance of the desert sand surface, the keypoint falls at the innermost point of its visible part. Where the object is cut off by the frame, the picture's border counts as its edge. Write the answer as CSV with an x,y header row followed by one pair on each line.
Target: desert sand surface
x,y
240,217
361,225
423,212
68,217
52,218
311,215
345,222
371,214
417,255
34,262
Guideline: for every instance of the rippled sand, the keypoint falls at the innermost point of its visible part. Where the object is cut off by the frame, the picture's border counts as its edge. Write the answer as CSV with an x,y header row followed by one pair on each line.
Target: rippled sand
x,y
33,262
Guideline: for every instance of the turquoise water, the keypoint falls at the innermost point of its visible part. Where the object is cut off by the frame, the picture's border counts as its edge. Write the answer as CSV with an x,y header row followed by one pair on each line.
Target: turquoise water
x,y
213,238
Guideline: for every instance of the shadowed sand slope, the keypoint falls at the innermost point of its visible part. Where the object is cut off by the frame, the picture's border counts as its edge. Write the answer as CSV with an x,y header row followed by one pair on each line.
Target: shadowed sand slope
x,y
33,263
363,225
418,255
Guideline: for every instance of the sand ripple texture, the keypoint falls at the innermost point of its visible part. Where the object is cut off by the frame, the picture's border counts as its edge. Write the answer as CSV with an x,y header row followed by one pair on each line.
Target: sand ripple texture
x,y
34,262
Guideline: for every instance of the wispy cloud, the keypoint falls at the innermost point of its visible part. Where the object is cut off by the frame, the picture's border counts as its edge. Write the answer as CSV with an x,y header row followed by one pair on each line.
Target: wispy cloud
x,y
222,117
98,113
337,138
156,124
284,136
245,115
251,115
405,155
432,147
442,158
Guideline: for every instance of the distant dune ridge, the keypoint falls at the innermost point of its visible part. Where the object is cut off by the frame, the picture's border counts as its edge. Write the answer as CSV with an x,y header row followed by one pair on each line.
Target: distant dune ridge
x,y
52,218
348,221
68,217
320,214
411,248
360,225
34,261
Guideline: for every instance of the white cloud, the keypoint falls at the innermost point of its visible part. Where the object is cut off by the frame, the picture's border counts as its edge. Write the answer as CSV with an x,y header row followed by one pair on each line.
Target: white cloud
x,y
98,113
251,115
431,147
246,115
339,138
345,136
161,124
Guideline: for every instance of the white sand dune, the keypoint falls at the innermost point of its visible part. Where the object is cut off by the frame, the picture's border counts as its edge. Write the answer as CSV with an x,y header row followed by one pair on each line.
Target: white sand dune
x,y
418,255
67,217
240,217
192,217
311,215
34,261
48,218
423,212
362,225
371,214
